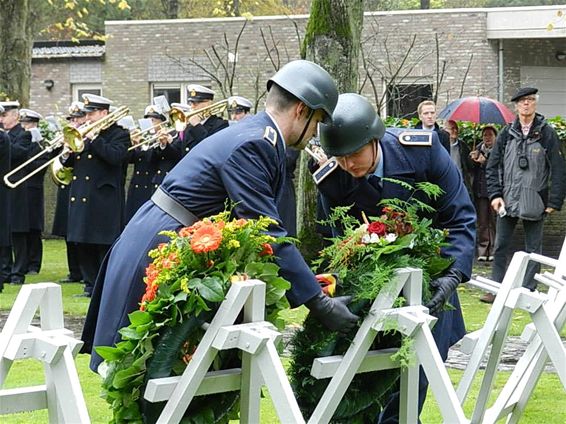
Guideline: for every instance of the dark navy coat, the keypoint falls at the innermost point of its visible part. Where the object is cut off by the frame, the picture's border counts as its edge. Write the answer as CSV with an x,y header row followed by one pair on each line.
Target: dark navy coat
x,y
192,136
20,150
454,209
5,195
164,160
237,163
96,194
36,196
140,188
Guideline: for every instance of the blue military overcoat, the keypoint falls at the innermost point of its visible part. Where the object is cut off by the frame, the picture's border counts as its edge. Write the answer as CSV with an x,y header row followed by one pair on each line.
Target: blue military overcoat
x,y
244,163
454,209
140,188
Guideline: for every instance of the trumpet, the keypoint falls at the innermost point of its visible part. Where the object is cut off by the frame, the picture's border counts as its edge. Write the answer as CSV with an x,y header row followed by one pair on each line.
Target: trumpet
x,y
73,137
180,118
152,141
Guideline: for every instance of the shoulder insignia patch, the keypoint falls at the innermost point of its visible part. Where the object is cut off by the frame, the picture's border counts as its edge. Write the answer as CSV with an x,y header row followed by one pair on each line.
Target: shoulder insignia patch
x,y
325,170
416,138
270,135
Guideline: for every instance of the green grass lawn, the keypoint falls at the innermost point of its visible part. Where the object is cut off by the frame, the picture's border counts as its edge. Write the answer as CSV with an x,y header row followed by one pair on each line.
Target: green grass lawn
x,y
547,405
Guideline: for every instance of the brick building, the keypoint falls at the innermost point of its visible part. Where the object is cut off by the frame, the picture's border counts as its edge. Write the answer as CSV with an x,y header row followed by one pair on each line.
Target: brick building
x,y
488,52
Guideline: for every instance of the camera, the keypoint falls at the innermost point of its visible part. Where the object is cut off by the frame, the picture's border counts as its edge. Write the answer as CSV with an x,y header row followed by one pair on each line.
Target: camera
x,y
523,162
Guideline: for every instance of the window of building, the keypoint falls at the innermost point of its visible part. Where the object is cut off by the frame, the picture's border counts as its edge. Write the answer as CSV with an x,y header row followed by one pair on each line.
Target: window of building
x,y
174,92
403,99
80,89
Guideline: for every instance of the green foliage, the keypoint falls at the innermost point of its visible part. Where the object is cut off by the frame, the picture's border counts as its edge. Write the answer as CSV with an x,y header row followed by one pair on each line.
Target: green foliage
x,y
187,280
365,259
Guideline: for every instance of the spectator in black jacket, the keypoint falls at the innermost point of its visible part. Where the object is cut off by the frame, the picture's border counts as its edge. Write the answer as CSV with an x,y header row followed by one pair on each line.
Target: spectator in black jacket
x,y
427,121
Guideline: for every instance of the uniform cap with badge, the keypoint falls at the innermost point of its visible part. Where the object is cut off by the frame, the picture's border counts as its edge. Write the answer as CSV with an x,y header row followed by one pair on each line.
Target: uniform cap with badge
x,y
153,111
76,110
92,103
28,115
523,92
198,93
237,104
182,106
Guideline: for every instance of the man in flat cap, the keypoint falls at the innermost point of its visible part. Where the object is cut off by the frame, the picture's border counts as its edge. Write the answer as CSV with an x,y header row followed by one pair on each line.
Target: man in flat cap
x,y
76,118
5,232
96,193
238,108
202,125
30,122
525,180
20,146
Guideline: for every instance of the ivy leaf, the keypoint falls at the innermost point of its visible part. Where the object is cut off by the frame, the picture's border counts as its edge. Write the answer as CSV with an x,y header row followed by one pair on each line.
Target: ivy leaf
x,y
211,289
279,283
130,333
139,318
124,377
194,283
110,353
181,296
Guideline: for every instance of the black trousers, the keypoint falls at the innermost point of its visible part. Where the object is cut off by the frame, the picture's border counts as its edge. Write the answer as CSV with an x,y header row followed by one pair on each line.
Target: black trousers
x,y
90,258
35,251
5,264
20,264
73,264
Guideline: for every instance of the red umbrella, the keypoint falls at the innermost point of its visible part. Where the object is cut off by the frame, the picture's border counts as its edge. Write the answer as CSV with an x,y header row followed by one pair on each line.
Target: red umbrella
x,y
481,110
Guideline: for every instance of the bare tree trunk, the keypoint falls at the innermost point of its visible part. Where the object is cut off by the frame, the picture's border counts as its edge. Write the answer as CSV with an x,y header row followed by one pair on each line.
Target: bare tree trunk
x,y
15,50
332,40
425,4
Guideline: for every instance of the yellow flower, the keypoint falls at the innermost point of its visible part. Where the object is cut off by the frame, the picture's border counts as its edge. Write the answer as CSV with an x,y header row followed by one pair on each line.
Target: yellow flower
x,y
185,284
233,244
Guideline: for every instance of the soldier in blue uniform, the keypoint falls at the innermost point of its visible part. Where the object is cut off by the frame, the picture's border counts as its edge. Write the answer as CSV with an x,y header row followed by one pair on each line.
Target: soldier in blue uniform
x,y
97,197
167,153
29,120
20,145
140,188
5,232
244,163
364,152
76,118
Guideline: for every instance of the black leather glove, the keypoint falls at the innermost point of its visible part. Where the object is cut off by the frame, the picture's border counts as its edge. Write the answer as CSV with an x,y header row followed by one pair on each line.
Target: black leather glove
x,y
333,312
442,289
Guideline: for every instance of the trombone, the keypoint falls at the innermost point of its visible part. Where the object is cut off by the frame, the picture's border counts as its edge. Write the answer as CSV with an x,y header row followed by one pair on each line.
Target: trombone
x,y
71,136
180,118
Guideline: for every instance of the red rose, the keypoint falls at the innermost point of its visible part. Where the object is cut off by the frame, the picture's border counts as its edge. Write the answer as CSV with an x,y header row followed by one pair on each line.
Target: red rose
x,y
378,228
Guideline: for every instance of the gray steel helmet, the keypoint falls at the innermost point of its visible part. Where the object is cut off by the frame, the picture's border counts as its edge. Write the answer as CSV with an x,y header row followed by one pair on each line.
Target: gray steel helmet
x,y
308,82
354,124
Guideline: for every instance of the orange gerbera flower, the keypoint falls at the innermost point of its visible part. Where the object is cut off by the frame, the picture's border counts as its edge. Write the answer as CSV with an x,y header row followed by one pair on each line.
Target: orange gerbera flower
x,y
206,239
267,250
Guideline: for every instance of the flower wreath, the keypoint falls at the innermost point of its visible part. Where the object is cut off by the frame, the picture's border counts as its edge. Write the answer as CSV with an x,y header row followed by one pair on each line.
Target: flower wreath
x,y
185,283
362,261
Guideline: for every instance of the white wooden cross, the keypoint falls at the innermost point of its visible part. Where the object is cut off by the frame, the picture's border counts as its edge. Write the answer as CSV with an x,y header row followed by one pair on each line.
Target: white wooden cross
x,y
413,321
548,313
49,343
261,364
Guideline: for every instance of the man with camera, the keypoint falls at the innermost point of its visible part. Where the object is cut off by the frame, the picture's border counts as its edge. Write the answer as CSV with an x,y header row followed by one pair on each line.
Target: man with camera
x,y
525,180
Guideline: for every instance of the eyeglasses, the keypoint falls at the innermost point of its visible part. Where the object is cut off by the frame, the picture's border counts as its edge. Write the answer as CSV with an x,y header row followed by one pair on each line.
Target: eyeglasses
x,y
527,99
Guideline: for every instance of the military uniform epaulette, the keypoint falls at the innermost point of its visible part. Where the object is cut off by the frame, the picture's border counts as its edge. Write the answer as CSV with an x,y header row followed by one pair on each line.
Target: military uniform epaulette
x,y
325,170
270,135
415,138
